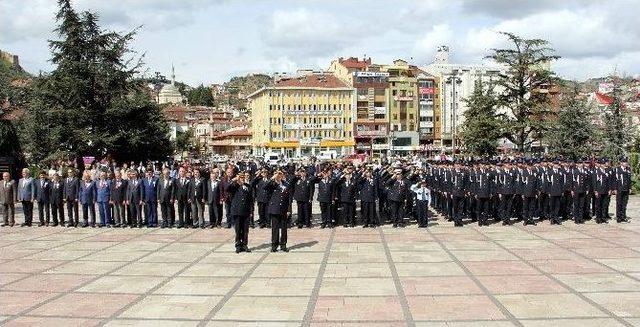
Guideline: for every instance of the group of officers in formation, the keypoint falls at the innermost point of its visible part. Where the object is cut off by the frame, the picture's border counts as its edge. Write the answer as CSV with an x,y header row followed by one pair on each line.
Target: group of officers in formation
x,y
393,192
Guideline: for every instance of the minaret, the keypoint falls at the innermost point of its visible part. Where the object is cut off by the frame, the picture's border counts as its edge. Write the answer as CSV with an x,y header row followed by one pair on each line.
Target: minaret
x,y
173,75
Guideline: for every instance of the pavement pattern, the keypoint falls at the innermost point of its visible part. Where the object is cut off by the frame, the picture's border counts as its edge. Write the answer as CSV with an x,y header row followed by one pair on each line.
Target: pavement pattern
x,y
569,275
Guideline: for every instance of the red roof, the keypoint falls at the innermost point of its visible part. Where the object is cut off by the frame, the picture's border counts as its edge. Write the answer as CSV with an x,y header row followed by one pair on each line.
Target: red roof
x,y
604,99
236,132
312,80
355,63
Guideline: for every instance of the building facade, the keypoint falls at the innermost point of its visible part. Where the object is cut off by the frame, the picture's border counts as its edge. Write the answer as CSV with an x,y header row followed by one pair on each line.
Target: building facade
x,y
303,116
456,83
429,111
402,107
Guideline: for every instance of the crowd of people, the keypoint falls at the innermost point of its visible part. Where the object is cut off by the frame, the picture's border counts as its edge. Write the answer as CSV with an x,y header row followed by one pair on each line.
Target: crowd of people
x,y
394,191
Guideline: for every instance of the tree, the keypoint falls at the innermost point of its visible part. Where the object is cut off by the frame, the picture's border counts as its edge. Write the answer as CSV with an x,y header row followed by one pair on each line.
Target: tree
x,y
481,127
572,135
524,76
185,141
91,103
12,99
617,132
200,96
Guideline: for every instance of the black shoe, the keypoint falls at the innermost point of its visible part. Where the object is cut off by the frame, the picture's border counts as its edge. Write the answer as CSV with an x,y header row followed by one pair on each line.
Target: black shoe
x,y
4,225
284,249
247,250
274,250
395,225
323,226
238,250
365,226
624,220
25,225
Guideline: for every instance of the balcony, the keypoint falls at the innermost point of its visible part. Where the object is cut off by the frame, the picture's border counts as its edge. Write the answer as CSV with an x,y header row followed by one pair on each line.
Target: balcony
x,y
380,110
426,124
374,133
403,98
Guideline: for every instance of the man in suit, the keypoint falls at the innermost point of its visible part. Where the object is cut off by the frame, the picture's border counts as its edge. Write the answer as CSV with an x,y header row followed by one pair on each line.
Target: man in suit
x,y
326,193
103,197
118,198
71,190
134,199
150,198
622,189
181,194
224,182
87,198
213,199
368,189
166,197
279,210
302,193
8,198
241,208
196,197
262,197
397,197
57,199
42,189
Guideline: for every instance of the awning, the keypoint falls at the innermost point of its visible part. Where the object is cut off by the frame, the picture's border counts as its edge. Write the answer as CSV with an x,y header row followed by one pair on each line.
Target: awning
x,y
284,144
328,143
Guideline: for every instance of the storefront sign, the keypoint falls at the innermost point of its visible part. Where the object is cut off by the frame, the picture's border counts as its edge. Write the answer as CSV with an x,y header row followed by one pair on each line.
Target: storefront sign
x,y
312,126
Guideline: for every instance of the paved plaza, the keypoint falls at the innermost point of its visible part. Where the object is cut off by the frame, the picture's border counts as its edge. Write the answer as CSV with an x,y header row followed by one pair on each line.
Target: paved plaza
x,y
569,275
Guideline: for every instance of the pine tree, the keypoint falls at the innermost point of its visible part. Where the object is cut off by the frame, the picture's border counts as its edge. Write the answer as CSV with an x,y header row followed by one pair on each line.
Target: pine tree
x,y
617,132
92,103
200,96
525,75
572,135
481,128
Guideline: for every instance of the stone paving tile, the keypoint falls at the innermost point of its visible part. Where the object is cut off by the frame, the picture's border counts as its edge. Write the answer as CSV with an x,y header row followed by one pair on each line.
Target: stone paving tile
x,y
573,266
490,268
626,264
591,322
548,306
252,324
287,270
608,253
171,257
48,283
337,270
537,254
520,284
86,267
150,323
357,286
122,284
263,308
330,308
439,286
15,253
471,245
426,256
294,257
217,270
12,303
492,255
58,255
198,286
621,304
219,257
429,269
28,266
53,322
356,257
110,255
165,307
6,278
485,323
462,307
421,246
357,247
277,286
600,282
85,305
150,269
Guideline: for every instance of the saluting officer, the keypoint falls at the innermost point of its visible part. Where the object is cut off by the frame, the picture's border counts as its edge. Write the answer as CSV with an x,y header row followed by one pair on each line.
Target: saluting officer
x,y
241,194
279,210
302,193
397,197
368,194
326,190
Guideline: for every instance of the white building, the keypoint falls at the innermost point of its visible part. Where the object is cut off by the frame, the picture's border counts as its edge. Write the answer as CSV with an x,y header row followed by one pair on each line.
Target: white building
x,y
456,83
169,92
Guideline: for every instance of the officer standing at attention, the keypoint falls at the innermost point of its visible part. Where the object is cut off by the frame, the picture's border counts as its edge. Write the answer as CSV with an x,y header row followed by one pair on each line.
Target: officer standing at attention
x,y
241,194
278,210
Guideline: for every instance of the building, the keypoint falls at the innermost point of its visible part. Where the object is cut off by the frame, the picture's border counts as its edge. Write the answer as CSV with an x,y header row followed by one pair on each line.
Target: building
x,y
233,142
402,107
456,83
10,58
304,115
169,93
371,128
429,111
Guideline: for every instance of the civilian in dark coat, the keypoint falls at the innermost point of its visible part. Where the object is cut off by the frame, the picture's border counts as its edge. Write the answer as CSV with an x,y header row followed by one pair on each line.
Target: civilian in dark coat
x,y
118,198
196,195
241,194
71,190
42,188
166,197
134,199
214,199
57,200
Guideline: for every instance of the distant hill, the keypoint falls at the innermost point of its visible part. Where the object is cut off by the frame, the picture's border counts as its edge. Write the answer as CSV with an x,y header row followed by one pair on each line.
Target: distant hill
x,y
239,87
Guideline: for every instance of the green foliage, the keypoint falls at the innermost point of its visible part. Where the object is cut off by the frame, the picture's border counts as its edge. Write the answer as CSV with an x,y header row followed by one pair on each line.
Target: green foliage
x,y
634,162
185,141
525,74
200,96
617,133
91,104
481,128
572,135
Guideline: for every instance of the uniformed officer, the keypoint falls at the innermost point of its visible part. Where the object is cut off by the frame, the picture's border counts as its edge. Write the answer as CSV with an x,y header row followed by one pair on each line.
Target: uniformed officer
x,y
397,196
423,197
262,197
303,193
458,188
347,189
623,186
279,210
368,194
326,190
241,194
529,191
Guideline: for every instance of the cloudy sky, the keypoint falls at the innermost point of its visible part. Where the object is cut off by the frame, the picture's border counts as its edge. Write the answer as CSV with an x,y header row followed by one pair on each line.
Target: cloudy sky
x,y
209,41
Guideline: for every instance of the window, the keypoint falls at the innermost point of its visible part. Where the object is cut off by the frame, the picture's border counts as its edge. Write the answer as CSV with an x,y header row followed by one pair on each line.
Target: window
x,y
394,92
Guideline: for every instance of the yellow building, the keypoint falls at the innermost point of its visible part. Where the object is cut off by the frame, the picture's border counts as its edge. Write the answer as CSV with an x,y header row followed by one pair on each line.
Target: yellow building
x,y
303,116
403,106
